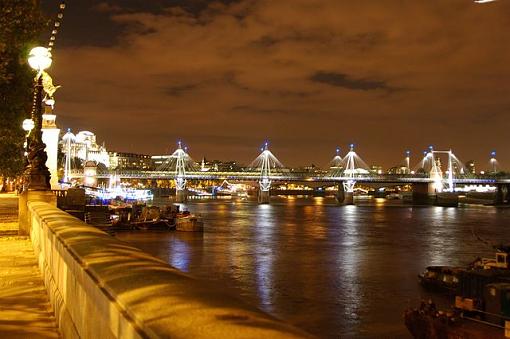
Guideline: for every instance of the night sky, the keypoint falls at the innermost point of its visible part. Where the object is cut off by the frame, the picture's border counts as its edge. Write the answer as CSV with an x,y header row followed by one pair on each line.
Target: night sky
x,y
308,75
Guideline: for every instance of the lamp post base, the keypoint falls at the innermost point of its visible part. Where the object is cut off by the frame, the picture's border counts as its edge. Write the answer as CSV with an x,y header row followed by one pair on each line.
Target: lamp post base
x,y
38,182
37,179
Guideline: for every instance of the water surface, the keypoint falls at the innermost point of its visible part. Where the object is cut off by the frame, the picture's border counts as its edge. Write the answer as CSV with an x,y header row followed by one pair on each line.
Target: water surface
x,y
334,271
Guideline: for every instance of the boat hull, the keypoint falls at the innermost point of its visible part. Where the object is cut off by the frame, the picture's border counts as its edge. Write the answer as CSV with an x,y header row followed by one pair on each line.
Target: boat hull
x,y
189,225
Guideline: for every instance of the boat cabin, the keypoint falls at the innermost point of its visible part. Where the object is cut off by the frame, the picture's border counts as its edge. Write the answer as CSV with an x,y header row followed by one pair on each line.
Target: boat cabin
x,y
502,261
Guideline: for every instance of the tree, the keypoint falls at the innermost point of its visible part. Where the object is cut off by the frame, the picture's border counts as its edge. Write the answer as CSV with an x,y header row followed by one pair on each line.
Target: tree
x,y
21,22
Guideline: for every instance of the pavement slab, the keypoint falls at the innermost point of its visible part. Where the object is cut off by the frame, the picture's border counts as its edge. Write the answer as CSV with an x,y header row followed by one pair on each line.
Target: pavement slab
x,y
25,311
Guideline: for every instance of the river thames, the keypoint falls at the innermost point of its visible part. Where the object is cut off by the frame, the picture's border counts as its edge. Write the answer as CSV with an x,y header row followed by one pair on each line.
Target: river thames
x,y
334,271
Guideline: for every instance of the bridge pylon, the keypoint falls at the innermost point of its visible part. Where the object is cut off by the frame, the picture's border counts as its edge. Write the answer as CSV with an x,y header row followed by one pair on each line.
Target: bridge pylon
x,y
179,163
352,167
180,174
266,163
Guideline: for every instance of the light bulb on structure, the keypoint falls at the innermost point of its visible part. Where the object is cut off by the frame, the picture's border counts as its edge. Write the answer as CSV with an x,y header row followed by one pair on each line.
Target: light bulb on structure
x,y
50,102
28,125
39,58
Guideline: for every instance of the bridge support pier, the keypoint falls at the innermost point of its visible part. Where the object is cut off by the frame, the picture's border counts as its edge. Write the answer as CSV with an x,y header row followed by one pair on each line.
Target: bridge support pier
x,y
180,189
264,197
349,198
348,192
264,190
340,195
423,193
501,197
181,195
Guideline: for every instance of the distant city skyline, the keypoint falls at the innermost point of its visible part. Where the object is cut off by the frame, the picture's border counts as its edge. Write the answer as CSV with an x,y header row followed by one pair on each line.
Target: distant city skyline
x,y
224,76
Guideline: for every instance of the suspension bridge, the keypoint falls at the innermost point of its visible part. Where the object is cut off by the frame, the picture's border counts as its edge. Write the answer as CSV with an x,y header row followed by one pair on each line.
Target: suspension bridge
x,y
427,177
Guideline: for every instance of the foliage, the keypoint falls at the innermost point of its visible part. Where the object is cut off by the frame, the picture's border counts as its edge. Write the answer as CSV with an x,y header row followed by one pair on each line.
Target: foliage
x,y
20,24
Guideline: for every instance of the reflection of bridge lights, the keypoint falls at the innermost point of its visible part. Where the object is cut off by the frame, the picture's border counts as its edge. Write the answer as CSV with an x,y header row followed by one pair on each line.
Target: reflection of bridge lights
x,y
318,200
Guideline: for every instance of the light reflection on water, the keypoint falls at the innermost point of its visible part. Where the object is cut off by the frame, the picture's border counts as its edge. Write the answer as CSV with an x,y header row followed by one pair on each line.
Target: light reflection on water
x,y
335,271
264,225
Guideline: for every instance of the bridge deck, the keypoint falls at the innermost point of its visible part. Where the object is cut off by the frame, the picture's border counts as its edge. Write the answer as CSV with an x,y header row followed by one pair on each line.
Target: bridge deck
x,y
294,177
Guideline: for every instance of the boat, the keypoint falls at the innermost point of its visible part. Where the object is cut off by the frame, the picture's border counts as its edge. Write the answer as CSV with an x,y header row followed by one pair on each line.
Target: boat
x,y
481,304
446,278
188,222
427,322
440,278
155,218
393,196
501,261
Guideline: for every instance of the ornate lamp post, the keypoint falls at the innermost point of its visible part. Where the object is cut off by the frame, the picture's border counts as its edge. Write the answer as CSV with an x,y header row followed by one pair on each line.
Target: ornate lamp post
x,y
37,175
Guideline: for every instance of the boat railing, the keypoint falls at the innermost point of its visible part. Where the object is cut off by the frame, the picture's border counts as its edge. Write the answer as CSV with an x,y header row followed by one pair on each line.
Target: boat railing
x,y
502,317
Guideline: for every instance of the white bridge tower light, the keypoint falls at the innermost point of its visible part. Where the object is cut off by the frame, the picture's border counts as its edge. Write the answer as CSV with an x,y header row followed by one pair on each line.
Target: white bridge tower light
x,y
180,168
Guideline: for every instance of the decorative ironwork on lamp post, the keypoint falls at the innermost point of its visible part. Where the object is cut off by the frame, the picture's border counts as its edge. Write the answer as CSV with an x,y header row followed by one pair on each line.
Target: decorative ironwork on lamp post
x,y
37,175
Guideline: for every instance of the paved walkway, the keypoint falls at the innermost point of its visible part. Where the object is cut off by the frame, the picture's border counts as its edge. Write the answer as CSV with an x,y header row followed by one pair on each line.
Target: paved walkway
x,y
24,307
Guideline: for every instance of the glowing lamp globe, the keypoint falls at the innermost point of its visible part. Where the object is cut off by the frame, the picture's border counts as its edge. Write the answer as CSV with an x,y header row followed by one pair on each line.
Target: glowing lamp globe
x,y
28,125
50,102
39,58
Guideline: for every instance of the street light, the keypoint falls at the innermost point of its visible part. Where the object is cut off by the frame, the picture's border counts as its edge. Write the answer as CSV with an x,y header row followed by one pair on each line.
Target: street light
x,y
494,162
37,175
28,125
39,58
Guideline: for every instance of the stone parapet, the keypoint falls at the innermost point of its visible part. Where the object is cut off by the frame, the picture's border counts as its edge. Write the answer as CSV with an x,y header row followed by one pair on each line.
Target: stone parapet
x,y
101,287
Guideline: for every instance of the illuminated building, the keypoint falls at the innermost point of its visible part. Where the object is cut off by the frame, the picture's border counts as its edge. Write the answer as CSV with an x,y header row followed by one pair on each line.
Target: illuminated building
x,y
376,169
130,161
159,160
470,166
219,166
86,148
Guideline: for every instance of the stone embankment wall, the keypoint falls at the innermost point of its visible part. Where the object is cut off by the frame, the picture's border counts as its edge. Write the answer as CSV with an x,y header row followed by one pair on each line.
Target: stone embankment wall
x,y
101,287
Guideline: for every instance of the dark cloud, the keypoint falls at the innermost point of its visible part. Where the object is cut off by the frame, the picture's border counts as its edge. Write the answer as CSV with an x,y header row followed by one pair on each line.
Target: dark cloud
x,y
343,80
178,90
